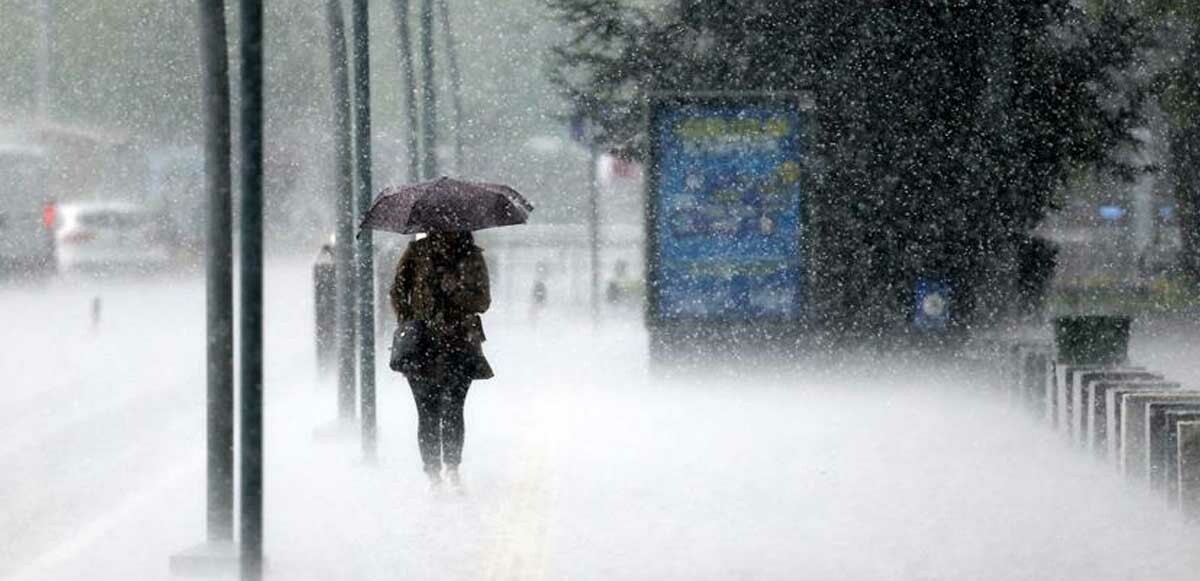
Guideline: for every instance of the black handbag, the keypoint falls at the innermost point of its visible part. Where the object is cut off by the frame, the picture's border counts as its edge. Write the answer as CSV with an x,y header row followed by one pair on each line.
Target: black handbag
x,y
409,346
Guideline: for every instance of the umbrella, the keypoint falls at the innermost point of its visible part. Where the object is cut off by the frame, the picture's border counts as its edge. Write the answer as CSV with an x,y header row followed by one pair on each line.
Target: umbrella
x,y
446,205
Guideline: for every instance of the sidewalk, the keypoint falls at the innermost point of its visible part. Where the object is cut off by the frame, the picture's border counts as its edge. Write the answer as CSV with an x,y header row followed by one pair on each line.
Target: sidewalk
x,y
580,467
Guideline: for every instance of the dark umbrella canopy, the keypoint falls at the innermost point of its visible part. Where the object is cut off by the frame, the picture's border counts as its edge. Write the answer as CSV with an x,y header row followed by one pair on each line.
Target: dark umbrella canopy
x,y
446,205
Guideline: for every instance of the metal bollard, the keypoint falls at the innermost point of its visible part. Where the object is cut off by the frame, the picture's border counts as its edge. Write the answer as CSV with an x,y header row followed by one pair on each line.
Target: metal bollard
x,y
1081,393
1161,421
324,310
1134,456
1187,439
1036,371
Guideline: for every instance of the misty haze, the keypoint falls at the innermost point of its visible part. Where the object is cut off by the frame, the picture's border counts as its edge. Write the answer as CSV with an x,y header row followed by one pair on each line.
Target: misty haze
x,y
599,289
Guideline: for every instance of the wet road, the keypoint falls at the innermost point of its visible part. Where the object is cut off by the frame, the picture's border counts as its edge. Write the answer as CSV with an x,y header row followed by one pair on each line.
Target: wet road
x,y
579,463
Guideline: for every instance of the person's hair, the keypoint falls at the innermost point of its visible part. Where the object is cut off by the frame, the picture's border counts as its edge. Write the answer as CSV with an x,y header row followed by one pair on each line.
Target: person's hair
x,y
452,244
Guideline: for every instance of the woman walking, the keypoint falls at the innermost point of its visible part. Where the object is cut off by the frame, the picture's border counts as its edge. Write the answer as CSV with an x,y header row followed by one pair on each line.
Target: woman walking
x,y
442,281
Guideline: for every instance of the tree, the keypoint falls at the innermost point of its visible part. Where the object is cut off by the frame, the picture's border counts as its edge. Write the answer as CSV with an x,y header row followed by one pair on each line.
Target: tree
x,y
944,128
1177,91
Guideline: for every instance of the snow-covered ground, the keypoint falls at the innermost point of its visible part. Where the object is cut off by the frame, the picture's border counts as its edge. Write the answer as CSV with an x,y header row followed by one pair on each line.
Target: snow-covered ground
x,y
579,464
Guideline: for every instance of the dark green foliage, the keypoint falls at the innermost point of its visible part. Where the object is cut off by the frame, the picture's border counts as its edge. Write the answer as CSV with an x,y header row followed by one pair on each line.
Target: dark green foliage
x,y
1178,90
1092,340
944,127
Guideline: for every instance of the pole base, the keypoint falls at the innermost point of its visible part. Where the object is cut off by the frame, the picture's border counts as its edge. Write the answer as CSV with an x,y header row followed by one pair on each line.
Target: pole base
x,y
211,559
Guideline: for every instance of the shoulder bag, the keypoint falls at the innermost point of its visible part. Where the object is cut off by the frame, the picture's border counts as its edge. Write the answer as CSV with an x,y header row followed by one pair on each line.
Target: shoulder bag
x,y
409,346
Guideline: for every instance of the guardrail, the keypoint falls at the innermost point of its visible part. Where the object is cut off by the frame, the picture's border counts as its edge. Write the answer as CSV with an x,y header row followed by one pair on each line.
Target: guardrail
x,y
1146,425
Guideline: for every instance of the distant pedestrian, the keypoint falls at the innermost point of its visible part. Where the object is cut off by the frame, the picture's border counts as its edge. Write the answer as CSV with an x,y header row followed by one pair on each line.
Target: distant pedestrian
x,y
97,308
540,294
618,285
442,280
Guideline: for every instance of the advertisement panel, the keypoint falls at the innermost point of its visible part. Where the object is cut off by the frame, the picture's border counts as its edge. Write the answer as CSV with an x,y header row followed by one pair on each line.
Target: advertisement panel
x,y
726,208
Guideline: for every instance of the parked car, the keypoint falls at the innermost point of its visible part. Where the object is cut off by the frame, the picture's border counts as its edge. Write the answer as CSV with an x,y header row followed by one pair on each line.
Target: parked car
x,y
26,212
105,234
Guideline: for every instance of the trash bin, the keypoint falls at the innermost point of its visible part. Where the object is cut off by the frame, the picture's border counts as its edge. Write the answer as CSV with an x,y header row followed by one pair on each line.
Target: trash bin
x,y
1092,339
325,310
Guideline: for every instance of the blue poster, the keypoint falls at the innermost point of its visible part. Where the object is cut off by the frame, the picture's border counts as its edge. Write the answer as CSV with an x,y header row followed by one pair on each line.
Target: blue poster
x,y
931,312
727,212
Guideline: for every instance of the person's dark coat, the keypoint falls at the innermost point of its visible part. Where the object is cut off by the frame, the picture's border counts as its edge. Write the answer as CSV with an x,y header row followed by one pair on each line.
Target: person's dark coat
x,y
444,282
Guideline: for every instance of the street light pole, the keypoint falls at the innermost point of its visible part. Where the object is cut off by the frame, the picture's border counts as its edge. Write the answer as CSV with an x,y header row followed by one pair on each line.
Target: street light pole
x,y
344,205
219,279
43,63
409,83
594,228
429,167
366,261
455,81
217,553
251,316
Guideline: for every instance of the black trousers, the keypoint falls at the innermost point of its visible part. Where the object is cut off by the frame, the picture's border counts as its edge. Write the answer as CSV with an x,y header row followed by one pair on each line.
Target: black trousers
x,y
440,428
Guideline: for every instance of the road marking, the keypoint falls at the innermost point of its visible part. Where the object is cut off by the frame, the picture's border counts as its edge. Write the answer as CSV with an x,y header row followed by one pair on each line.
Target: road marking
x,y
520,549
133,506
27,436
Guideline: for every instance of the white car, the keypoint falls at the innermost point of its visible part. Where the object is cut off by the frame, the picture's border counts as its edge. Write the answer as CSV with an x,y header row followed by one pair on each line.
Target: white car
x,y
104,234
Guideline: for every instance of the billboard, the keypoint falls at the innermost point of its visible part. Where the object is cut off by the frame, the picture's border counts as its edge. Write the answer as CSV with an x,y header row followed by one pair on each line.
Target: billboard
x,y
726,208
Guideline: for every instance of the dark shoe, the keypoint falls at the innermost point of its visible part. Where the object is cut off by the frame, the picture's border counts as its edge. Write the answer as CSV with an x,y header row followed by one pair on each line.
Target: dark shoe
x,y
455,480
435,479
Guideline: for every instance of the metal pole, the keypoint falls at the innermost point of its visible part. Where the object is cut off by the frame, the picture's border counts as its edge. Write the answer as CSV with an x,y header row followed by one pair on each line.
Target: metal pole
x,y
344,180
251,290
594,230
219,279
408,71
366,262
429,167
1001,287
455,81
42,65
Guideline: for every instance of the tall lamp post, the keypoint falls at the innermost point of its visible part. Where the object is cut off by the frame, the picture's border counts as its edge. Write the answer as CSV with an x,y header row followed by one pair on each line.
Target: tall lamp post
x,y
217,552
219,279
429,163
366,262
251,316
409,84
344,205
455,81
45,14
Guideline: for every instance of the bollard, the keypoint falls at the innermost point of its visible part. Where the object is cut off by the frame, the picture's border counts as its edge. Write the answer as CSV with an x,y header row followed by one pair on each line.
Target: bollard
x,y
1046,391
990,352
1153,469
1096,428
1134,406
1064,386
1014,355
1113,402
1161,421
1083,408
1037,368
1187,460
325,310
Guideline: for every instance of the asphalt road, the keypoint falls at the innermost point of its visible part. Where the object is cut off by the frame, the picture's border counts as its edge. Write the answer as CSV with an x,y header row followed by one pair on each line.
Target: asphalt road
x,y
580,464
92,408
